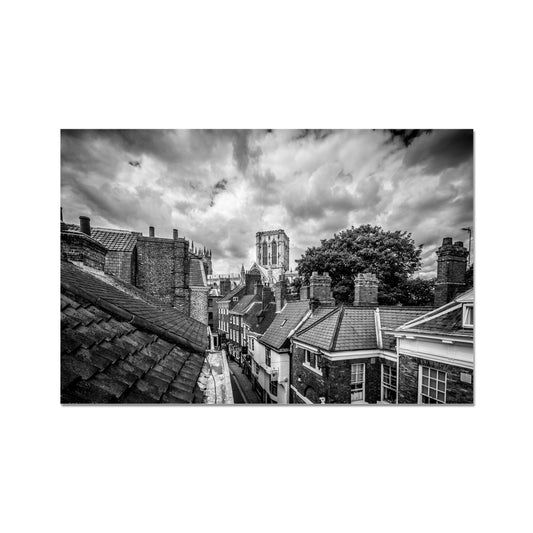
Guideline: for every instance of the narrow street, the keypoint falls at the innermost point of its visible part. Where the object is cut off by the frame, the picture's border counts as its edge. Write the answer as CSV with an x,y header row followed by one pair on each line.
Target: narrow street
x,y
241,385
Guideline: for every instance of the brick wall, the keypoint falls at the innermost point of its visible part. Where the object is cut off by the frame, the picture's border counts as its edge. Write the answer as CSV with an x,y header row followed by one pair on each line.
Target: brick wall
x,y
82,248
163,270
198,305
121,265
451,271
334,384
457,391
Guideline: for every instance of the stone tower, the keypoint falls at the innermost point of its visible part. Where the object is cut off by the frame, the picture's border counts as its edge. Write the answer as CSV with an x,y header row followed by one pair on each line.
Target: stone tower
x,y
451,271
272,250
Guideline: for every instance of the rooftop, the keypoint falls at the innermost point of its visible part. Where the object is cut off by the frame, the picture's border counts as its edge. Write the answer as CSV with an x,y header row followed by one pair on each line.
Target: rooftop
x,y
117,347
352,328
284,322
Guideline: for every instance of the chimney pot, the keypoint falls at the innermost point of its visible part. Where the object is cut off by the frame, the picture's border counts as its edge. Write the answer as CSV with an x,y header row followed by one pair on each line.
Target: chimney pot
x,y
151,231
365,289
175,234
459,244
85,225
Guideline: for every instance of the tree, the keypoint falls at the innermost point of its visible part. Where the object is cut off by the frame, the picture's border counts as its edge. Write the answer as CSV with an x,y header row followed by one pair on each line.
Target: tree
x,y
416,291
391,255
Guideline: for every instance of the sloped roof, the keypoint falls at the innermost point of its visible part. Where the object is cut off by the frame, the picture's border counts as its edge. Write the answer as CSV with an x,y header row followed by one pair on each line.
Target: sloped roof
x,y
284,322
243,303
189,332
106,359
115,240
392,317
352,328
232,293
197,273
343,328
259,319
447,319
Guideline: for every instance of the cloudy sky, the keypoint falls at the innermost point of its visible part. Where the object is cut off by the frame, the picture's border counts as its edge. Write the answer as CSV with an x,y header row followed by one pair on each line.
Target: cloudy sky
x,y
220,187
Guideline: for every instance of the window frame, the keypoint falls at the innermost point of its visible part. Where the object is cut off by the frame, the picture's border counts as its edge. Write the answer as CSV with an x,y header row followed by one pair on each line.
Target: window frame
x,y
315,363
391,385
268,357
360,384
468,312
429,377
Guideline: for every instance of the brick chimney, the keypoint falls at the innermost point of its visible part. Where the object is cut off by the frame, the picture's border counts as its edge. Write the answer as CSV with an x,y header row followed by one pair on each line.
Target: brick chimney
x,y
304,292
451,271
175,234
267,297
225,286
85,225
151,231
365,289
80,247
250,279
320,288
258,289
280,293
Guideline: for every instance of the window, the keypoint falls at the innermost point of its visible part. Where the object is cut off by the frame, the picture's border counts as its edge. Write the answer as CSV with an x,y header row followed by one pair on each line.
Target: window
x,y
274,253
313,360
273,387
268,360
252,341
235,298
265,254
283,322
388,384
432,385
468,316
357,383
210,315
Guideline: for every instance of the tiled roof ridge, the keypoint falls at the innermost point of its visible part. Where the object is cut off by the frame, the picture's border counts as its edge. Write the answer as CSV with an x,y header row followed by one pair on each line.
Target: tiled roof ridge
x,y
320,320
131,318
340,316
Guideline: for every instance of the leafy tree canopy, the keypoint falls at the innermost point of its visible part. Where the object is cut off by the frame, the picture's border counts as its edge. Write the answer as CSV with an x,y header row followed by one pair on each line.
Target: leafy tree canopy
x,y
391,255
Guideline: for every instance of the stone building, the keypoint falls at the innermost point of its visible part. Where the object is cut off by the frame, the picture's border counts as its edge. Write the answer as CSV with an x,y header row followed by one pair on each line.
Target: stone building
x,y
272,250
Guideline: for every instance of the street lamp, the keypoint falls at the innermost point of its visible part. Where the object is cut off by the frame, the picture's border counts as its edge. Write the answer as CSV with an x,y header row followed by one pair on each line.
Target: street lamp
x,y
469,229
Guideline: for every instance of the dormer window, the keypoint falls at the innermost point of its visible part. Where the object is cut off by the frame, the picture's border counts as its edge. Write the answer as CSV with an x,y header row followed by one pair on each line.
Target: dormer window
x,y
468,316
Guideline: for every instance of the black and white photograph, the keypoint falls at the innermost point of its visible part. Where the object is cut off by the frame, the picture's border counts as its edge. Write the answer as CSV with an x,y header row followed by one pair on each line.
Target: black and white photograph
x,y
266,266
275,267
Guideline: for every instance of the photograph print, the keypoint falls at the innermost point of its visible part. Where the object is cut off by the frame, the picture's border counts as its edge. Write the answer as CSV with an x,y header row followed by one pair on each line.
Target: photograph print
x,y
279,267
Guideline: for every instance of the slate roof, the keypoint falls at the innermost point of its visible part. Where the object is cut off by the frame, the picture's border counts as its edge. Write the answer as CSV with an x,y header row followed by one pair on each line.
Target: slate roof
x,y
260,319
232,293
115,240
352,328
393,317
116,348
447,319
197,276
243,303
284,322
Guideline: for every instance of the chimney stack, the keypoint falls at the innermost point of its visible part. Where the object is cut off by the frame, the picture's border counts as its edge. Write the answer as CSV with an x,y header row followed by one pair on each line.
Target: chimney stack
x,y
280,290
320,289
151,231
85,225
267,297
365,289
451,271
175,234
258,289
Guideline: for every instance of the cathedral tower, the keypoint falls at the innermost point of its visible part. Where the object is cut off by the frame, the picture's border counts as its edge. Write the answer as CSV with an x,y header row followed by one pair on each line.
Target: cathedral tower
x,y
272,249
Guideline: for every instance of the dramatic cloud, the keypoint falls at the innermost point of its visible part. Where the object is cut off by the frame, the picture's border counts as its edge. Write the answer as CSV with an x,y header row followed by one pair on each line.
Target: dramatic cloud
x,y
219,187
